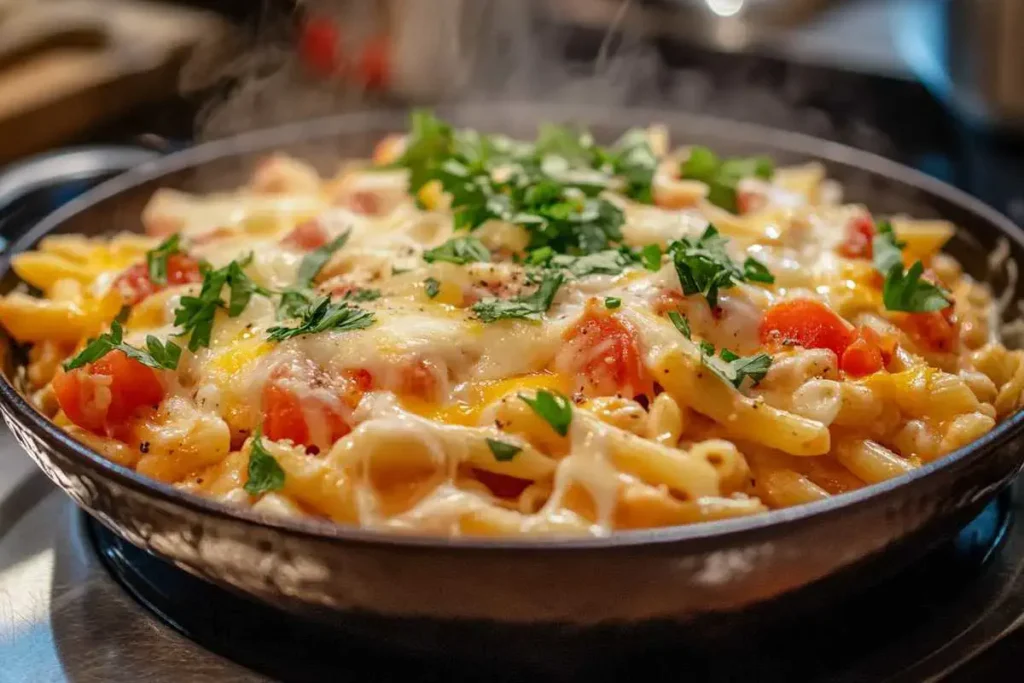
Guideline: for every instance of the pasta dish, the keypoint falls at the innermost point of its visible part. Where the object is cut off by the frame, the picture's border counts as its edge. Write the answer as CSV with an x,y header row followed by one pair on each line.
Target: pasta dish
x,y
474,335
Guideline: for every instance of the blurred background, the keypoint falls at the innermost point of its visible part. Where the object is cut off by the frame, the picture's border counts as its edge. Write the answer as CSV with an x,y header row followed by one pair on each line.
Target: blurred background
x,y
937,84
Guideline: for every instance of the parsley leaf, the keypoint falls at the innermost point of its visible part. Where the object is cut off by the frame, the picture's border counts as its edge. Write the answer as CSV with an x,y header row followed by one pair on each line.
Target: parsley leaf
x,y
681,323
359,294
722,176
324,315
432,287
265,474
553,408
903,290
157,354
612,302
195,314
460,251
651,256
550,188
293,302
530,307
703,265
156,259
313,262
634,160
732,368
503,452
607,262
755,271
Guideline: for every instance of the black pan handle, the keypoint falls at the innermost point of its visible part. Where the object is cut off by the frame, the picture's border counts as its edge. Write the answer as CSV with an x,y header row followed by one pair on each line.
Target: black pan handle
x,y
81,167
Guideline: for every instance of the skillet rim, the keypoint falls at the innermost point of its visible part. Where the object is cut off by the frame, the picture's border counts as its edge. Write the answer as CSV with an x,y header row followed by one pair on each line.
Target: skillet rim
x,y
699,535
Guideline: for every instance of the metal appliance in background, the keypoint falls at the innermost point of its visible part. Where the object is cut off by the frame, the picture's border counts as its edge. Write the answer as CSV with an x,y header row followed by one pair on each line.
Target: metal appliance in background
x,y
970,53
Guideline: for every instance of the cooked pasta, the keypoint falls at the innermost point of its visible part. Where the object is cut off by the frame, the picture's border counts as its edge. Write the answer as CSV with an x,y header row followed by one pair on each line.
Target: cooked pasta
x,y
470,335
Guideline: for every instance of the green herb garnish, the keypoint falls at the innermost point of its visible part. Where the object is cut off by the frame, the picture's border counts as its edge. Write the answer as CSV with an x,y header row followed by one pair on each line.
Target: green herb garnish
x,y
607,262
360,294
755,271
732,368
195,314
612,302
156,259
313,262
651,257
681,323
904,290
723,176
324,315
553,408
503,452
704,267
432,287
460,251
530,307
550,187
265,474
157,354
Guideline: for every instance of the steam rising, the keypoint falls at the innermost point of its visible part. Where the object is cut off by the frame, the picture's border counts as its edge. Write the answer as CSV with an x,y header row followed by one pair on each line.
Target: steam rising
x,y
470,50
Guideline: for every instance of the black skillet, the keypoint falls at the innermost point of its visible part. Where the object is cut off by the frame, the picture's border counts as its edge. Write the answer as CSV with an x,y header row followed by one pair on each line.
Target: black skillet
x,y
525,597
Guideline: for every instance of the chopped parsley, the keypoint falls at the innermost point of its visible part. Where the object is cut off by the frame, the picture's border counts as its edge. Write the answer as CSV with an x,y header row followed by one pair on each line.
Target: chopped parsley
x,y
156,259
903,290
553,408
755,271
460,251
681,323
324,315
722,176
729,367
530,307
360,294
651,257
612,302
157,354
195,314
432,287
503,452
265,474
550,187
734,369
313,262
607,262
704,267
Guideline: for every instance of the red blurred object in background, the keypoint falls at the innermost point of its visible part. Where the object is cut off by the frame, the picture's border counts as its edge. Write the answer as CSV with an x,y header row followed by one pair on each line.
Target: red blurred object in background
x,y
321,51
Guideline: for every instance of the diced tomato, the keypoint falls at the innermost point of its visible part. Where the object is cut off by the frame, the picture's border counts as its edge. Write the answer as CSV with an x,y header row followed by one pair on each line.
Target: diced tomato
x,y
308,235
135,284
102,396
363,202
606,355
807,323
502,485
860,232
420,379
287,417
311,421
320,46
748,202
868,353
937,331
861,358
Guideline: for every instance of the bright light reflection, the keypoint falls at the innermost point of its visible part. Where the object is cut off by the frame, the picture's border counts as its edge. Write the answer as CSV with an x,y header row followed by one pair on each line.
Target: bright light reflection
x,y
725,8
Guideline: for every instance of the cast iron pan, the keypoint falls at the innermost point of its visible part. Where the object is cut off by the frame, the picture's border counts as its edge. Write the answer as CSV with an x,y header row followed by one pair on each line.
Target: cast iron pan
x,y
520,597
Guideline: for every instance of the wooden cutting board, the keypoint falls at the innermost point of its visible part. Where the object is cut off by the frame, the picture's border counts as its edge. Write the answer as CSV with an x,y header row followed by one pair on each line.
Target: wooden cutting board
x,y
68,65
